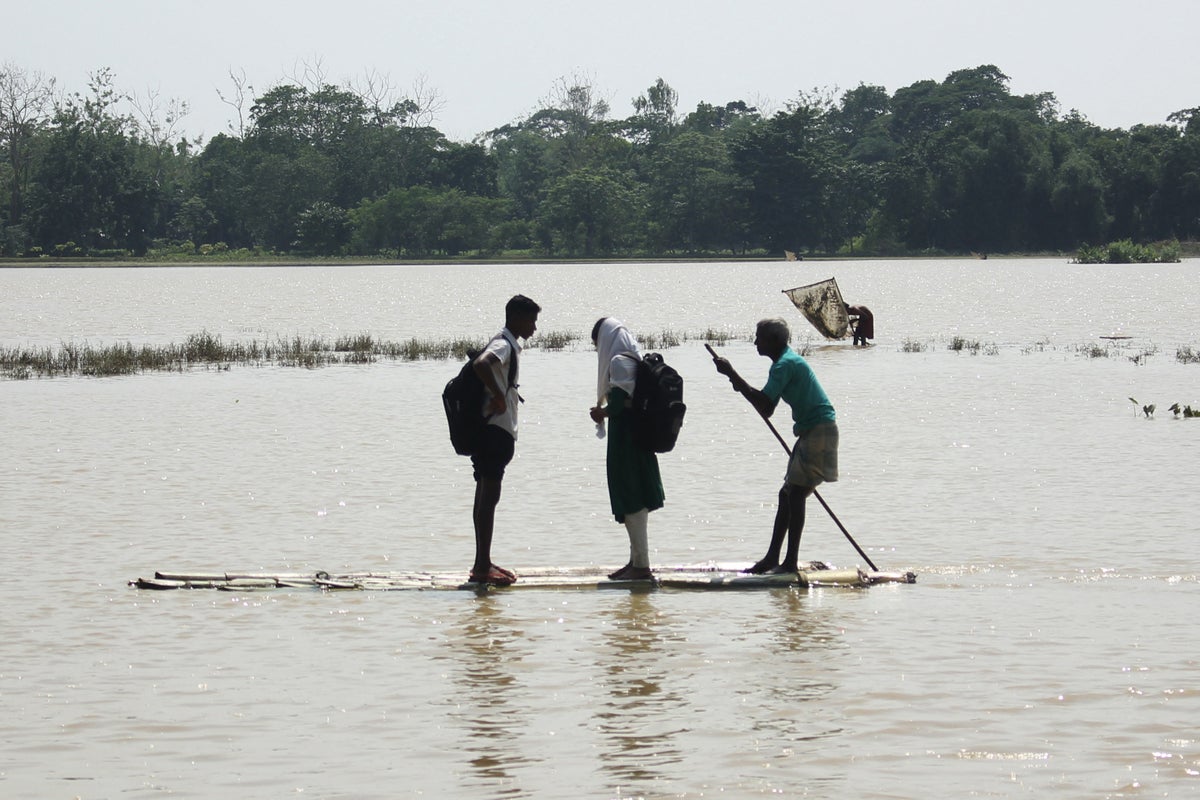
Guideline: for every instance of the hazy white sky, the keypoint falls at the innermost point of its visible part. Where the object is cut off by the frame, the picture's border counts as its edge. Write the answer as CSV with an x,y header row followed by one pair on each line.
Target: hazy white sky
x,y
1119,63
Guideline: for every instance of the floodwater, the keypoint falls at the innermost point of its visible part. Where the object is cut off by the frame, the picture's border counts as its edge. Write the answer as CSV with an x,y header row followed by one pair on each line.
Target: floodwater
x,y
1048,648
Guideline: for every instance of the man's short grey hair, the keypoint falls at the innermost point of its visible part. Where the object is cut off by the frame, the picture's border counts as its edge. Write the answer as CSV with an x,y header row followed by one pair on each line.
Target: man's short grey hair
x,y
774,329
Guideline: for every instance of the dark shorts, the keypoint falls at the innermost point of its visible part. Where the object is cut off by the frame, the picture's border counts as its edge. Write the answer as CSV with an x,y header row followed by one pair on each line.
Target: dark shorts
x,y
493,454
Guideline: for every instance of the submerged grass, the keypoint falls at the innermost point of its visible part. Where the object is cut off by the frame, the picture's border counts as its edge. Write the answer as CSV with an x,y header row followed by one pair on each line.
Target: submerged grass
x,y
206,350
973,346
1186,355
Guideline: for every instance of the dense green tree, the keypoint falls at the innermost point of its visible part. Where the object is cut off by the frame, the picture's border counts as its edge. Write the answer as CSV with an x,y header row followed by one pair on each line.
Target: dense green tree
x,y
692,196
1132,165
323,229
1077,198
220,182
860,123
467,167
654,115
952,165
522,160
990,170
283,186
792,169
588,213
193,222
25,104
708,118
1180,190
88,190
418,221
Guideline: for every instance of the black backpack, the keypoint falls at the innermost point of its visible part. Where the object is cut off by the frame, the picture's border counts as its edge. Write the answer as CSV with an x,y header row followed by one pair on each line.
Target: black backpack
x,y
463,401
657,405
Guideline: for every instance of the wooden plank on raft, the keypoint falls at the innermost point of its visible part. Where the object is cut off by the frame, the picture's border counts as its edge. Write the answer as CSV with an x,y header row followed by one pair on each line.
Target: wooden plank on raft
x,y
707,575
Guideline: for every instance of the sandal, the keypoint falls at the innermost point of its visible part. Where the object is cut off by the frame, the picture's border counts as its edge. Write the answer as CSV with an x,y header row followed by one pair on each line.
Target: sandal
x,y
631,573
495,577
508,573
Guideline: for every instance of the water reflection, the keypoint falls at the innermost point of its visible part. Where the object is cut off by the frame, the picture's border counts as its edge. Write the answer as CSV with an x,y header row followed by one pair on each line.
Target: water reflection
x,y
791,705
639,722
488,647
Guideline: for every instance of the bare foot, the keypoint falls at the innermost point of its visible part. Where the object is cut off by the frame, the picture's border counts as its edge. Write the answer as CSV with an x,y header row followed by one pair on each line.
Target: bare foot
x,y
619,575
762,567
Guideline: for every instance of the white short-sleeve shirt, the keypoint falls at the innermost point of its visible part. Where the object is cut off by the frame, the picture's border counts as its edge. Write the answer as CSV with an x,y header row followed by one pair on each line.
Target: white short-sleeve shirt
x,y
505,347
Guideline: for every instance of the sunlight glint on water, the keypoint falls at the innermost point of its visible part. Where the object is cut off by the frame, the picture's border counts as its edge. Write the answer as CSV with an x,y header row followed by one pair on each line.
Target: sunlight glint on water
x,y
1048,647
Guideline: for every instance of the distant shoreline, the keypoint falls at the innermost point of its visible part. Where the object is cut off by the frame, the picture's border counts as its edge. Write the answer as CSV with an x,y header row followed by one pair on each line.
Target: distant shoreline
x,y
88,263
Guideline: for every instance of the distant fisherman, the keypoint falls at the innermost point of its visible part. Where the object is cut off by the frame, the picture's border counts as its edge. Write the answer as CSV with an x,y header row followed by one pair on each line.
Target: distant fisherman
x,y
814,457
862,323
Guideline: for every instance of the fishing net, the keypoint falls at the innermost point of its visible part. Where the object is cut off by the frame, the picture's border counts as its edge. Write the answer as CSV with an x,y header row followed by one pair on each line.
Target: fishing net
x,y
821,304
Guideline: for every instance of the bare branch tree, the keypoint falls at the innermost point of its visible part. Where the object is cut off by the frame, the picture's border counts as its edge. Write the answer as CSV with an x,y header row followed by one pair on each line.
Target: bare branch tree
x,y
26,99
309,74
376,91
242,93
578,95
767,107
427,101
420,108
159,122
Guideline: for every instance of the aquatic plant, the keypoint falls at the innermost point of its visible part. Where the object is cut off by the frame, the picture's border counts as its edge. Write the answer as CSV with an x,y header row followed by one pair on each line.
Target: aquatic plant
x,y
1147,410
554,340
1143,356
1093,350
206,350
1187,412
715,337
651,341
1124,251
1186,355
974,347
913,346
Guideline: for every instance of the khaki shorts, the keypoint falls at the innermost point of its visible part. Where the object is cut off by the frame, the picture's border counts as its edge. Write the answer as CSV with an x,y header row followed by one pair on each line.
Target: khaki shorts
x,y
815,457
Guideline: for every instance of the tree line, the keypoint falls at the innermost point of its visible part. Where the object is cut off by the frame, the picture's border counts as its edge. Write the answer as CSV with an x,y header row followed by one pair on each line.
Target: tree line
x,y
313,168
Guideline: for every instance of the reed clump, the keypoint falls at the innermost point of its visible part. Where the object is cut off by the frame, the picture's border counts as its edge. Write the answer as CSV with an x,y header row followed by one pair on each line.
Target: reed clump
x,y
1186,355
554,340
713,336
206,350
1092,350
657,341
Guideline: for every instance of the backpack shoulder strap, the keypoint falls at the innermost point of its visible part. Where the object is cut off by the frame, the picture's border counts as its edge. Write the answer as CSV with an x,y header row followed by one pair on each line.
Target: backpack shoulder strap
x,y
512,363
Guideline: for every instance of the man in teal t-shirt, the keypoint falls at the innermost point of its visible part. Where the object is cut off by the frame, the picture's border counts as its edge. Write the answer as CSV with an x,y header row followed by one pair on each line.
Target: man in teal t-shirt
x,y
814,423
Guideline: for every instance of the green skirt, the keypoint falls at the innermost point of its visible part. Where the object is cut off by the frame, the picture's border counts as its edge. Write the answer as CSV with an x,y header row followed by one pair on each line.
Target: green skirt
x,y
634,481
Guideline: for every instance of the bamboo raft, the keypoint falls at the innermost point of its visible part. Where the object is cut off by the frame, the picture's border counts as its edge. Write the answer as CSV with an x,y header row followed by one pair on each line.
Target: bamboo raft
x,y
708,575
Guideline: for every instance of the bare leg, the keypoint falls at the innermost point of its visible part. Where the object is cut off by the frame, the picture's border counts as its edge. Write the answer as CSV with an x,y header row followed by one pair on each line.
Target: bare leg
x,y
638,567
798,497
487,496
780,529
639,546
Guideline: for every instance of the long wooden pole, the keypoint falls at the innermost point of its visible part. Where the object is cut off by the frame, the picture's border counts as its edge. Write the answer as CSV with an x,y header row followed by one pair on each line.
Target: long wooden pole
x,y
787,449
